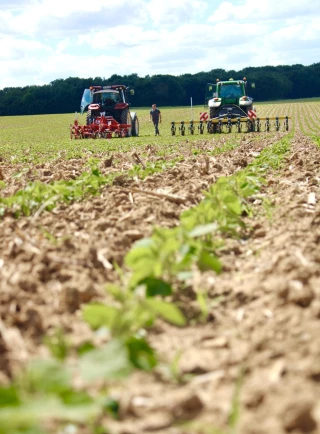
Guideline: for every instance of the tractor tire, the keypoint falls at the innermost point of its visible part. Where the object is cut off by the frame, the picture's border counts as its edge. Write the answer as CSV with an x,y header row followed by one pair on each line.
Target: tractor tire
x,y
88,119
212,128
126,119
135,125
212,112
251,126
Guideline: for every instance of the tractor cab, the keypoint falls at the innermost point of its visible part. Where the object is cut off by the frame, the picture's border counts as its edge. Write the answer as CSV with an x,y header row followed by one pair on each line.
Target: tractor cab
x,y
231,91
110,103
227,92
228,97
105,96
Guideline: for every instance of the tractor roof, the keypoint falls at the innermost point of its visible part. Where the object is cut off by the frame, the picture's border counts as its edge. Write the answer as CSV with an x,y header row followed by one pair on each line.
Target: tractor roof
x,y
111,87
107,90
230,81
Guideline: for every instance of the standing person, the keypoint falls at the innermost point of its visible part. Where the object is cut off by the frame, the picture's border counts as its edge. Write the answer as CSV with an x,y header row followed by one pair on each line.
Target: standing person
x,y
155,116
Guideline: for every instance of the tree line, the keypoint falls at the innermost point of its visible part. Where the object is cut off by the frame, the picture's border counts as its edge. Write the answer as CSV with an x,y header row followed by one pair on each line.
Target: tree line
x,y
64,95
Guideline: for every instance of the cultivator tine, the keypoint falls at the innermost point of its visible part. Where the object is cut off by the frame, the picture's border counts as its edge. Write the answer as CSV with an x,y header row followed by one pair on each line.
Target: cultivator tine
x,y
103,127
258,125
229,125
286,123
216,125
182,128
201,127
191,127
173,128
239,125
267,124
75,130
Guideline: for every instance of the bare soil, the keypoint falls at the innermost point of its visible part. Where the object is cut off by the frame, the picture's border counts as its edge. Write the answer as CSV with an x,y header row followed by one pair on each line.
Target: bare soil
x,y
261,338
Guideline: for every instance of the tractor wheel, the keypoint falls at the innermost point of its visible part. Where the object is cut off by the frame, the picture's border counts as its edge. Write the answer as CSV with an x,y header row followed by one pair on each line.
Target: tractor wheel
x,y
126,119
212,112
135,124
88,119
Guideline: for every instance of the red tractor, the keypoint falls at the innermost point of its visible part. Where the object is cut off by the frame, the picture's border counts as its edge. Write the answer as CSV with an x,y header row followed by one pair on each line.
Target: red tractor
x,y
108,113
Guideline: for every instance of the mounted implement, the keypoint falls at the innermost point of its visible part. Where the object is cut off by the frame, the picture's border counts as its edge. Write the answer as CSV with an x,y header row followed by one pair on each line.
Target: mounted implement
x,y
229,106
108,114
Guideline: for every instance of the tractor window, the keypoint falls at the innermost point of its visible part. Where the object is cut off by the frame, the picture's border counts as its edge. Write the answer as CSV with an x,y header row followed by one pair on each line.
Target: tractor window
x,y
111,98
97,97
211,90
116,97
86,100
231,91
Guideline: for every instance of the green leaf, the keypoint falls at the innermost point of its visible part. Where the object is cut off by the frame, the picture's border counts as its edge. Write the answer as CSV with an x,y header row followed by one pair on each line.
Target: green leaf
x,y
144,242
233,204
203,304
48,376
141,355
184,275
110,362
137,255
27,417
75,397
112,407
156,287
167,311
200,230
209,262
98,315
95,172
85,348
116,291
9,396
57,344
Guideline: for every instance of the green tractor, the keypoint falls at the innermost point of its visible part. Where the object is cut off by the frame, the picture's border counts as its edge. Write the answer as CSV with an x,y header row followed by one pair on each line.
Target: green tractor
x,y
228,104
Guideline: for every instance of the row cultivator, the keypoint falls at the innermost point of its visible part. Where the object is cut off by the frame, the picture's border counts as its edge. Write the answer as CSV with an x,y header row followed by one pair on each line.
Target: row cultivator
x,y
229,106
104,127
108,114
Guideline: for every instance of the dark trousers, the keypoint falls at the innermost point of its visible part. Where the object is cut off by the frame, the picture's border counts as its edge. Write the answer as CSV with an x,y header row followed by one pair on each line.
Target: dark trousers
x,y
156,129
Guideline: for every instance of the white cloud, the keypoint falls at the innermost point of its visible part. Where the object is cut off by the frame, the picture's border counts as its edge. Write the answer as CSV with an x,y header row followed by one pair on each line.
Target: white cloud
x,y
60,19
43,40
19,49
262,10
174,12
118,37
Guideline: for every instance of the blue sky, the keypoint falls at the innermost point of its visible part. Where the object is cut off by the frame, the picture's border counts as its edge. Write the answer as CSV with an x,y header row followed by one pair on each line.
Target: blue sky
x,y
44,40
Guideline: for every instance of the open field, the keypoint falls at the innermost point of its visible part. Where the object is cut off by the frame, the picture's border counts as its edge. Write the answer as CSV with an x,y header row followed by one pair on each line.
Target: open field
x,y
165,284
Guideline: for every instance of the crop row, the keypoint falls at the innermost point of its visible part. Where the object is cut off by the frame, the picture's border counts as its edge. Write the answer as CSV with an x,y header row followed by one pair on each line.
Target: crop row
x,y
160,268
